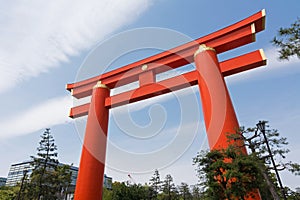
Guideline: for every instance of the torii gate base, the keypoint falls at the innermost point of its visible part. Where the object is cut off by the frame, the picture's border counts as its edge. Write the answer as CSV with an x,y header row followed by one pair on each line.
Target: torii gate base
x,y
219,114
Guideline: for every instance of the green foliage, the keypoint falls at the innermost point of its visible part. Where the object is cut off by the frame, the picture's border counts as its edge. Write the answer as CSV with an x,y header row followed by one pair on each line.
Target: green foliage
x,y
125,191
155,185
254,140
196,193
184,192
227,173
288,41
48,180
169,189
121,191
8,193
107,194
292,195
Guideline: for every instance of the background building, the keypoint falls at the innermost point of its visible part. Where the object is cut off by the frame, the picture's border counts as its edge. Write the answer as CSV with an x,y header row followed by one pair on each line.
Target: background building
x,y
107,183
2,181
18,170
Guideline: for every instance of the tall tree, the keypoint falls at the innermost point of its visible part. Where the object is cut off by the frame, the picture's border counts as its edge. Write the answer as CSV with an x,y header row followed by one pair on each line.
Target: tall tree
x,y
48,180
185,193
288,40
155,184
169,188
44,163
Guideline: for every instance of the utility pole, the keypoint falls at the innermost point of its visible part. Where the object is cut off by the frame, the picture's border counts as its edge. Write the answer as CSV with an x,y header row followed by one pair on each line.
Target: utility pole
x,y
22,183
261,125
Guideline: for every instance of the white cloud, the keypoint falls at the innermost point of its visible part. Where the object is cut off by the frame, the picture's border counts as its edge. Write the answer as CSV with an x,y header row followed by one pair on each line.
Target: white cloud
x,y
49,113
196,137
36,36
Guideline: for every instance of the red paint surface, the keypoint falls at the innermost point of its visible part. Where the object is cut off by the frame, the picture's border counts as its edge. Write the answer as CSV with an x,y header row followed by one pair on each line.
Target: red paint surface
x,y
91,170
219,115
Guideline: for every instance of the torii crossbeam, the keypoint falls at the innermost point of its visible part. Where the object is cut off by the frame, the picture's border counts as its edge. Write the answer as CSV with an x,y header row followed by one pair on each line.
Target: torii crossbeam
x,y
219,114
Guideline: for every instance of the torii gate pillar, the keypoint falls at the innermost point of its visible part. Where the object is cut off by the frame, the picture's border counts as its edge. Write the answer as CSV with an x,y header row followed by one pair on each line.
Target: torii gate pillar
x,y
91,170
219,115
218,111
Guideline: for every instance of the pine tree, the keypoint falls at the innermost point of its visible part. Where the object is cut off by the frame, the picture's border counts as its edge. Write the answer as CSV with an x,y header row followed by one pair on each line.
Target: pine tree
x,y
288,41
255,141
185,191
196,193
44,164
169,188
155,185
48,179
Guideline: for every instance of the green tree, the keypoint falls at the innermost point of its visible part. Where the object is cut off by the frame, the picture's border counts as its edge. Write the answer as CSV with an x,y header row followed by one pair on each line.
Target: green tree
x,y
155,185
107,194
121,191
168,188
292,195
227,173
254,140
196,192
44,165
8,193
288,40
184,191
49,179
62,177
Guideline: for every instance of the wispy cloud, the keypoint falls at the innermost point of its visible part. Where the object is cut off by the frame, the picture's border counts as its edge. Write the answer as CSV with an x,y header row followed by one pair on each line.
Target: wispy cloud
x,y
156,152
36,36
47,114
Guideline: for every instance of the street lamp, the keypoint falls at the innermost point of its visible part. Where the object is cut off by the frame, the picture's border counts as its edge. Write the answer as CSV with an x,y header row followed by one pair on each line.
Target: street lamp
x,y
261,125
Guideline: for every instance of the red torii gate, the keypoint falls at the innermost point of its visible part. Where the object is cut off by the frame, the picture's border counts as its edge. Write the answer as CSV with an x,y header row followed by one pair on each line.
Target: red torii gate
x,y
219,114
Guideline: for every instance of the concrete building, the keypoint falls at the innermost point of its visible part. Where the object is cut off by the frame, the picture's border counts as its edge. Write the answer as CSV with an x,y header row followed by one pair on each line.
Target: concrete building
x,y
18,170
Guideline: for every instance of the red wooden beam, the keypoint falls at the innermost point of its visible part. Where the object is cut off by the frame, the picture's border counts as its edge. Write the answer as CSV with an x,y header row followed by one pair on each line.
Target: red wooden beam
x,y
152,90
235,65
243,63
143,92
79,111
257,19
240,37
231,64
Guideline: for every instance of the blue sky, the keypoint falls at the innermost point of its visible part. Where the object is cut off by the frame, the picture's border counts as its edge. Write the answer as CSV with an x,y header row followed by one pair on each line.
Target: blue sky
x,y
43,46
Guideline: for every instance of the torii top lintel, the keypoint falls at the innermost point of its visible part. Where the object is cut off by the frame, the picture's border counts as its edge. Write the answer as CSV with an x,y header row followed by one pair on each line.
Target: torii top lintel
x,y
145,70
